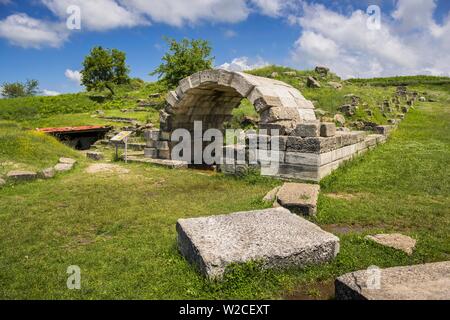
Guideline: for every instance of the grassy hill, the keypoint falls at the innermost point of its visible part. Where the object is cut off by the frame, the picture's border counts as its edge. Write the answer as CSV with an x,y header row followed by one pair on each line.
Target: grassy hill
x,y
29,150
35,112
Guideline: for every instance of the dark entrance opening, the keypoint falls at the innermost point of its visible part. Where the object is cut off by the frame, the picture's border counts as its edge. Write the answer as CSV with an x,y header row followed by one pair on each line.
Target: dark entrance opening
x,y
80,138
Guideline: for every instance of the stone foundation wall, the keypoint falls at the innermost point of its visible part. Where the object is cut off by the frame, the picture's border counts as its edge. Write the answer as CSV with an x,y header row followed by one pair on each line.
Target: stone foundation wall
x,y
310,158
313,151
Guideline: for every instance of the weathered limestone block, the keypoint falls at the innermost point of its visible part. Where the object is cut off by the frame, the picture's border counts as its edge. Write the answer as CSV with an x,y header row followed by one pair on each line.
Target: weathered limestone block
x,y
209,76
62,167
47,173
274,237
271,196
340,119
164,154
323,71
307,129
172,98
299,197
19,175
311,82
311,145
310,159
419,282
67,161
241,84
395,240
151,143
291,171
371,141
97,156
162,145
269,156
165,135
278,114
386,130
151,135
327,129
278,143
150,153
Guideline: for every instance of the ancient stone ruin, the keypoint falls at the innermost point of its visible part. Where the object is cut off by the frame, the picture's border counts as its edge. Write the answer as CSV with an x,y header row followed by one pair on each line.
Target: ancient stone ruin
x,y
307,149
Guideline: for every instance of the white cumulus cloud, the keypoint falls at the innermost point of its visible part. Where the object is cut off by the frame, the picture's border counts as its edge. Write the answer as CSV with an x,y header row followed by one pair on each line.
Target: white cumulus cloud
x,y
73,75
348,47
27,32
243,64
51,93
98,15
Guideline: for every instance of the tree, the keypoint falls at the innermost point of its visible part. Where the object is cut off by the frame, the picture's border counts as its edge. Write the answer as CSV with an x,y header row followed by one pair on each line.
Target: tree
x,y
183,59
20,89
104,68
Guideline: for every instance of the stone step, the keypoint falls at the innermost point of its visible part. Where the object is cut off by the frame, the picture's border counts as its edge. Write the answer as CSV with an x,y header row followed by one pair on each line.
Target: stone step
x,y
172,164
300,198
275,237
419,282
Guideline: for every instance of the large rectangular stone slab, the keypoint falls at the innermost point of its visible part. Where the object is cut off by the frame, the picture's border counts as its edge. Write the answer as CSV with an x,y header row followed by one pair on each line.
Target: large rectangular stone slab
x,y
275,237
419,282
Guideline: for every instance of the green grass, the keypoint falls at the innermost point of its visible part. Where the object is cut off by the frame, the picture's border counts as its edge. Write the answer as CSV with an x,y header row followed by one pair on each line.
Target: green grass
x,y
28,150
50,111
83,119
120,230
402,81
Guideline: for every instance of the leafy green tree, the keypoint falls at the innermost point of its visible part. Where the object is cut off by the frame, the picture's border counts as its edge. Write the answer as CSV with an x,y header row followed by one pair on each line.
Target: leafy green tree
x,y
20,89
183,59
104,68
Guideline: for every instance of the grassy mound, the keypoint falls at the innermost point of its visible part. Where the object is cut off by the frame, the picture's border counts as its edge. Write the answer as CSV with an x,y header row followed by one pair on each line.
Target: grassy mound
x,y
28,150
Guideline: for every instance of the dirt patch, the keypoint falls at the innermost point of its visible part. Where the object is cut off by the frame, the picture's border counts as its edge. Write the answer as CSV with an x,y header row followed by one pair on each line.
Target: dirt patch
x,y
318,291
106,168
344,228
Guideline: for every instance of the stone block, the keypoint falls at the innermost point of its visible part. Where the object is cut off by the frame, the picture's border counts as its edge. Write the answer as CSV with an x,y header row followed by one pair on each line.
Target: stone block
x,y
164,154
67,161
150,153
429,281
165,135
162,145
281,141
327,129
307,129
47,173
311,145
152,135
271,196
209,76
385,130
62,167
310,159
275,238
395,240
151,143
97,156
299,197
19,175
172,98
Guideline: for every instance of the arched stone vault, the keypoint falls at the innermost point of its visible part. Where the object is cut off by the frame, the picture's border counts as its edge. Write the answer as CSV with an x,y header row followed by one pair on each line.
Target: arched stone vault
x,y
307,149
210,96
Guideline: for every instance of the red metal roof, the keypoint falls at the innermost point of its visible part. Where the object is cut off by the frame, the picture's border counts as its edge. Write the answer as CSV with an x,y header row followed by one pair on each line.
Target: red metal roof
x,y
73,129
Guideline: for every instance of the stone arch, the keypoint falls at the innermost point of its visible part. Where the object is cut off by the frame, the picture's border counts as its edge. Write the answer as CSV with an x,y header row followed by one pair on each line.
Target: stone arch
x,y
210,96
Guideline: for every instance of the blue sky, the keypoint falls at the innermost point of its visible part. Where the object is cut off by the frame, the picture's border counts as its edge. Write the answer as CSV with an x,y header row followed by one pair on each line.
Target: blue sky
x,y
413,37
